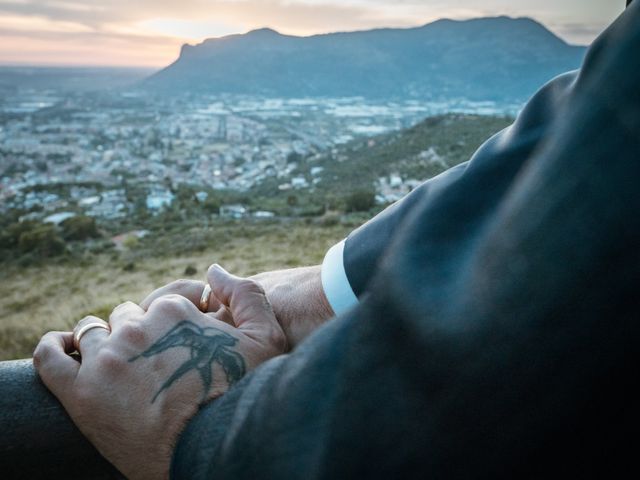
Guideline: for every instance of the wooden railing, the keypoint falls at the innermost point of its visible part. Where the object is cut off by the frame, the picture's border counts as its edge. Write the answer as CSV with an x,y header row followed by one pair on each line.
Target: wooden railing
x,y
37,438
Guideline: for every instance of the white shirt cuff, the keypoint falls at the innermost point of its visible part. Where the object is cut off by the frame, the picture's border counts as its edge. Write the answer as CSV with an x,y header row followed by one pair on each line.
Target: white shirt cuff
x,y
335,282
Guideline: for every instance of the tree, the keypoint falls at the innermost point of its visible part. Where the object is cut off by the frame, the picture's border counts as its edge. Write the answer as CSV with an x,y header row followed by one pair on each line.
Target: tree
x,y
79,228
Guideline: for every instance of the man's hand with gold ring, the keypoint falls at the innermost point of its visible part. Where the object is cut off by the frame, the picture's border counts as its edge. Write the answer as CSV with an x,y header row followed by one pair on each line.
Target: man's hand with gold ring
x,y
139,384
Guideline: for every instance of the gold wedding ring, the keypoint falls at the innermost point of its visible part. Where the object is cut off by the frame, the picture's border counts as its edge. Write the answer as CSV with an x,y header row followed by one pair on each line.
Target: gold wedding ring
x,y
89,326
205,298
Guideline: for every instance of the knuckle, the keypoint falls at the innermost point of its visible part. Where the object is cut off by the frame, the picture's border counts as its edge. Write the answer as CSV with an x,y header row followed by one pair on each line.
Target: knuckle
x,y
125,310
42,353
182,285
173,305
116,309
110,361
133,333
127,305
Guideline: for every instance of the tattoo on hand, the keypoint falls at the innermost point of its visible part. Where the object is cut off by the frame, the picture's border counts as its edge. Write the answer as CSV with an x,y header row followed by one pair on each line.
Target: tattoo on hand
x,y
207,345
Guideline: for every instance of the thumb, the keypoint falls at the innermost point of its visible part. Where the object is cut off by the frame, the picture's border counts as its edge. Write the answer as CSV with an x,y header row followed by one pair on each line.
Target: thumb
x,y
246,300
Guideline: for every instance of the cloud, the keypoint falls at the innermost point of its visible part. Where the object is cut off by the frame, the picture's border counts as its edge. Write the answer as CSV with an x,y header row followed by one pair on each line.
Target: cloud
x,y
17,23
301,16
96,50
29,24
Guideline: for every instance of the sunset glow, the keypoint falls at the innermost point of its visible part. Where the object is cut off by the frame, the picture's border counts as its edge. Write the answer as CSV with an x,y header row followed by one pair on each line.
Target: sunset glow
x,y
150,32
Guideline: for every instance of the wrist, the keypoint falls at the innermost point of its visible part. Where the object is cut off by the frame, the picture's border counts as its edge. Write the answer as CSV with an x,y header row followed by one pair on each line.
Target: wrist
x,y
298,300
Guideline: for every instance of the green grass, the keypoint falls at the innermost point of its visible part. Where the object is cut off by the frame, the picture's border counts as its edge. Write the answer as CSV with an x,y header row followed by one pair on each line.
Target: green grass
x,y
56,295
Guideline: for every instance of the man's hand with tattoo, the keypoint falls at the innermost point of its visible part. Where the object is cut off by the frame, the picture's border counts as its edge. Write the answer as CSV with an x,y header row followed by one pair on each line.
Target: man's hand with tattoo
x,y
133,389
296,295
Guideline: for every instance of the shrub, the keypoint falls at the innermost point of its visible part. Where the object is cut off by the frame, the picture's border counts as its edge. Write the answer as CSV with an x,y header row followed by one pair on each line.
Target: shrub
x,y
10,236
43,241
212,205
360,201
329,220
131,242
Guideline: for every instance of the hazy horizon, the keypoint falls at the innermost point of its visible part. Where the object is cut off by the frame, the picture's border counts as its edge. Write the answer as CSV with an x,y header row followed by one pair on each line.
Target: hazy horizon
x,y
149,33
157,67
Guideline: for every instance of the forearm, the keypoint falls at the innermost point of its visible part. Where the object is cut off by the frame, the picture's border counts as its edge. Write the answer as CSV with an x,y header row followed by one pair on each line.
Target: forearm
x,y
298,300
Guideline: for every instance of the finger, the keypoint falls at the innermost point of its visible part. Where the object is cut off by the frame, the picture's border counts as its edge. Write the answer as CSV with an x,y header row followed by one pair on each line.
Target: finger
x,y
189,289
52,362
174,307
245,299
126,312
87,340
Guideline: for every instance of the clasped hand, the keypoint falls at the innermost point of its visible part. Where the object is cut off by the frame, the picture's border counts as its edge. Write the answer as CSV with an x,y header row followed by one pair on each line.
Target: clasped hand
x,y
140,379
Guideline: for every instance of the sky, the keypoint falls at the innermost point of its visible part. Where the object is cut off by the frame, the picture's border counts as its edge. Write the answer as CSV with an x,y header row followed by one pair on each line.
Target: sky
x,y
149,33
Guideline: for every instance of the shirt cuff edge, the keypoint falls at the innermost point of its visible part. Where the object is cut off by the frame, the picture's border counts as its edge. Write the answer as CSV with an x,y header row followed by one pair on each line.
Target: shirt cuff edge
x,y
335,282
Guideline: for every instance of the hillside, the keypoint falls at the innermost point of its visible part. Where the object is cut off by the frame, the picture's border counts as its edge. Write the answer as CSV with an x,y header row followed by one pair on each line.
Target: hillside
x,y
415,154
496,59
91,275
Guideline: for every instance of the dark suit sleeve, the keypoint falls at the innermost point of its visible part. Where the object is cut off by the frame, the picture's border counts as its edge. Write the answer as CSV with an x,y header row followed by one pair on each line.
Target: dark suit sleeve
x,y
497,162
499,335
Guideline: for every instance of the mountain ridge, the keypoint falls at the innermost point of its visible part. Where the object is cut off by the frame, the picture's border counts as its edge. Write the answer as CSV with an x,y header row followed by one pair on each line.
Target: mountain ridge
x,y
491,58
272,31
